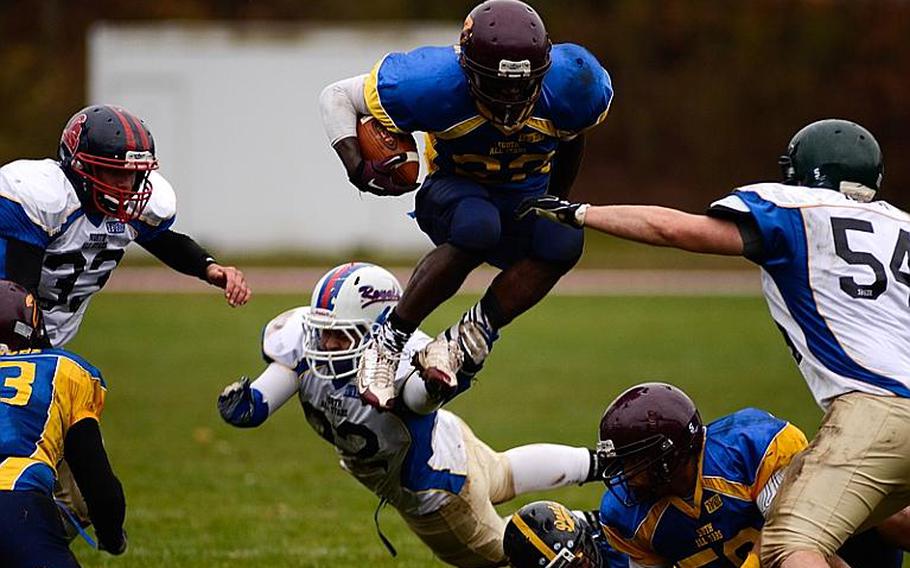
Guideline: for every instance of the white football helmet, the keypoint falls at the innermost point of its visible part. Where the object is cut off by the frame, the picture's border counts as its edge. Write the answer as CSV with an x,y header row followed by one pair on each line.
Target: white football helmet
x,y
349,299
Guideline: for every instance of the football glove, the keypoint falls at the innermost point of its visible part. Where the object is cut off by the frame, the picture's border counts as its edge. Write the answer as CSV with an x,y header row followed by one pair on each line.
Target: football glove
x,y
375,176
554,209
115,548
241,405
438,364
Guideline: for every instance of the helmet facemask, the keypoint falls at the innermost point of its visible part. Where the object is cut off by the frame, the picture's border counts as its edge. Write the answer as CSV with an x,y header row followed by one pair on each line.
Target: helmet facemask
x,y
509,94
327,363
116,200
656,458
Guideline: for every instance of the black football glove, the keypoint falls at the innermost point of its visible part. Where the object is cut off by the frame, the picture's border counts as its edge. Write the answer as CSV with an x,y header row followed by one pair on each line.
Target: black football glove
x,y
375,176
554,209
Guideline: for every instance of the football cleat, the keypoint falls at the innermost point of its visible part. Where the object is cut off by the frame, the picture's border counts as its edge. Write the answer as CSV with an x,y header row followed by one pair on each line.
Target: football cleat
x,y
438,364
376,375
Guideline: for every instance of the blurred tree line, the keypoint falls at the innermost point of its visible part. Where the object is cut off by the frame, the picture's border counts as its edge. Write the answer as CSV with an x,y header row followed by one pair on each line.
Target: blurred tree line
x,y
708,92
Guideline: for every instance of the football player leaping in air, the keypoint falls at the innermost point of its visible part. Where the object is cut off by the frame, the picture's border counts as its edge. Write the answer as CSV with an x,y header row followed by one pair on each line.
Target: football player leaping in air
x,y
64,224
505,114
424,461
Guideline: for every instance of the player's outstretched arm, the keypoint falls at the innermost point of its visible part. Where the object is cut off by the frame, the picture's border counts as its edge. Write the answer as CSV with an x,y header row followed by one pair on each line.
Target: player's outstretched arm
x,y
248,404
653,225
87,459
183,254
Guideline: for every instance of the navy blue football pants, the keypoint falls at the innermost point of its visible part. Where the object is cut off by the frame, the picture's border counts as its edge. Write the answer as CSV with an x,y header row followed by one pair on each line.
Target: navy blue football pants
x,y
459,211
31,532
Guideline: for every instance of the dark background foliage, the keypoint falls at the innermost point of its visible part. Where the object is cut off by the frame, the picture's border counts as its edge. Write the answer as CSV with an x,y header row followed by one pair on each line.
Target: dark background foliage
x,y
708,92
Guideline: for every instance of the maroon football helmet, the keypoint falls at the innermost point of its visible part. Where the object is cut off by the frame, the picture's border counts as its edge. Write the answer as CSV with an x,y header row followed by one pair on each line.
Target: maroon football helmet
x,y
652,429
107,153
21,321
505,52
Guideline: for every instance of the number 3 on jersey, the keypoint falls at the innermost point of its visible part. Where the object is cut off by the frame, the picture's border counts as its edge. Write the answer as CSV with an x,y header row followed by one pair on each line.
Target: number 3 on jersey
x,y
16,378
899,259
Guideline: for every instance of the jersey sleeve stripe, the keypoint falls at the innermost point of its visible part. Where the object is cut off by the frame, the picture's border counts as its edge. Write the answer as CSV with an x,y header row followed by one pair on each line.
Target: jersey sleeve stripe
x,y
462,128
789,442
16,224
374,101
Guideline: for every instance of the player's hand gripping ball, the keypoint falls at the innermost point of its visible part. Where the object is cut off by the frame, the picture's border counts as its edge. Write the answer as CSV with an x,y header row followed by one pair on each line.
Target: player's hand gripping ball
x,y
390,162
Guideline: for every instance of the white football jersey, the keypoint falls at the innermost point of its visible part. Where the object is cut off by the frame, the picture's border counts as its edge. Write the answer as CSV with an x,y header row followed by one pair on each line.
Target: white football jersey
x,y
836,277
81,250
416,462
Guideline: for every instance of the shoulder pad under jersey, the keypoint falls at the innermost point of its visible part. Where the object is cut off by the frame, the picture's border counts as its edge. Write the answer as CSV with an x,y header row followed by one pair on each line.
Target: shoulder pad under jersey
x,y
577,90
424,89
283,338
162,206
41,188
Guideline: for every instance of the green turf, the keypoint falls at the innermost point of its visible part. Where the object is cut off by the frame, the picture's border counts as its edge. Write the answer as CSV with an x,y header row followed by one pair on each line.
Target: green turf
x,y
201,493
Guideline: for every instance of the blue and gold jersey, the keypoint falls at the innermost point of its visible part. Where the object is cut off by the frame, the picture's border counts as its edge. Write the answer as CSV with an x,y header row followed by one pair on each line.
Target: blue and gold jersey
x,y
426,90
719,527
42,394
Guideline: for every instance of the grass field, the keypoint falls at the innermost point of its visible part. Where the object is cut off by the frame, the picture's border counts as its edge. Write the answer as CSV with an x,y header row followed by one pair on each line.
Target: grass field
x,y
201,493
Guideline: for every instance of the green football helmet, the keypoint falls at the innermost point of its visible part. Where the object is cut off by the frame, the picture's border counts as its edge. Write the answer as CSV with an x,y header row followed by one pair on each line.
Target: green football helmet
x,y
835,154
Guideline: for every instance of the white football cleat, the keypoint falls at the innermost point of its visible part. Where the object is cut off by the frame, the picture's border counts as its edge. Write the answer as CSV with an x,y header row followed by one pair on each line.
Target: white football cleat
x,y
438,363
376,375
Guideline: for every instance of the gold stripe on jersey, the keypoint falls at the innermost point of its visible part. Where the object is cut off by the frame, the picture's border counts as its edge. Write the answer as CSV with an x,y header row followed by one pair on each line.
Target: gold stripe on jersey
x,y
540,545
11,469
374,103
429,152
462,128
639,547
787,443
693,510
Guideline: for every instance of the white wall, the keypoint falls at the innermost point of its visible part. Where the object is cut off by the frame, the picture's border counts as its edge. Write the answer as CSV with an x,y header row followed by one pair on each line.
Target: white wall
x,y
234,113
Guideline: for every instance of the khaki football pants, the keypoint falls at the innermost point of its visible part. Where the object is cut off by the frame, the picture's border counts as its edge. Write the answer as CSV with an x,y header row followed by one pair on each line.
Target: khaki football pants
x,y
467,531
66,491
854,474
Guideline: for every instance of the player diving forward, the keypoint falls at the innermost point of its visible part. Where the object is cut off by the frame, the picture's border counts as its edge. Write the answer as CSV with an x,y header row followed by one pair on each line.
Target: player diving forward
x,y
422,460
65,224
505,114
50,403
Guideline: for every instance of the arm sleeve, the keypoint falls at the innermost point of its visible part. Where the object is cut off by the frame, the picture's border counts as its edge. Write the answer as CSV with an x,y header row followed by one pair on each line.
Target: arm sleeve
x,y
565,166
84,452
732,208
21,262
179,252
276,384
340,105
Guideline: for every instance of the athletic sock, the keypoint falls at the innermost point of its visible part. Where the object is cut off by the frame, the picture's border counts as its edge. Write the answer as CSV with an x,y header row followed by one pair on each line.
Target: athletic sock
x,y
395,332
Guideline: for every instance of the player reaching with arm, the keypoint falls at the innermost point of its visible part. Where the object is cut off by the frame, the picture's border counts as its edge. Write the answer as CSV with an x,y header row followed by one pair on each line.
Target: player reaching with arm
x,y
424,461
505,115
836,278
50,403
65,224
682,493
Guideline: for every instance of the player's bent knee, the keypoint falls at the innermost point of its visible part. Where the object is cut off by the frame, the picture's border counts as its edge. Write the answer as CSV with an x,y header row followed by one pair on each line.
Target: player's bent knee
x,y
558,245
475,225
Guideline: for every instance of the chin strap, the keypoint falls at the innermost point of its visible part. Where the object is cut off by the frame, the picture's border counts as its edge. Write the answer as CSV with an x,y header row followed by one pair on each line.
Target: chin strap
x,y
385,541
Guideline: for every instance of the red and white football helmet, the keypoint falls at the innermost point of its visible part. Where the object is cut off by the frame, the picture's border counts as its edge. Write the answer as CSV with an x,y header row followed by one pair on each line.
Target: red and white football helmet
x,y
348,300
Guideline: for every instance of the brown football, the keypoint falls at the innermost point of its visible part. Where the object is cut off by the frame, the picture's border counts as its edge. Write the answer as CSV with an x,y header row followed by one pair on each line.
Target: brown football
x,y
377,143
